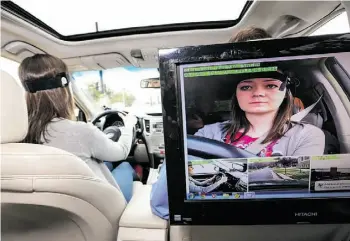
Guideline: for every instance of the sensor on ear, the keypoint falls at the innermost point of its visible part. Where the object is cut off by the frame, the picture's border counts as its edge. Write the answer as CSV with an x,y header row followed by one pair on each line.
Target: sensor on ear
x,y
59,81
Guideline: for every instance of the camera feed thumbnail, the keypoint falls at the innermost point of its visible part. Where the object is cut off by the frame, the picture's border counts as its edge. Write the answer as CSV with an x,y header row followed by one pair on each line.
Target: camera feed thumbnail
x,y
220,178
330,174
281,174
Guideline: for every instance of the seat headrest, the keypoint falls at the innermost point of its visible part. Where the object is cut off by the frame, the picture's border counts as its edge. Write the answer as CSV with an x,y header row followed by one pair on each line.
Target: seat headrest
x,y
14,116
298,105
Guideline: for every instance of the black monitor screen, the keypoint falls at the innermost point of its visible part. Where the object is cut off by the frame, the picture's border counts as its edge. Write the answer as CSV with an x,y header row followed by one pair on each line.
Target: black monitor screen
x,y
260,127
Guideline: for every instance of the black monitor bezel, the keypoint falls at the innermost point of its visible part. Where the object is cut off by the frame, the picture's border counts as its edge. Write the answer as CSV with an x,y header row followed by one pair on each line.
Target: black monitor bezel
x,y
244,212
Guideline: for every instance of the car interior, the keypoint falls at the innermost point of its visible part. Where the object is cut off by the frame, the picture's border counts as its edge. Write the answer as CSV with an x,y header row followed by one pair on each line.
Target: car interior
x,y
309,87
50,194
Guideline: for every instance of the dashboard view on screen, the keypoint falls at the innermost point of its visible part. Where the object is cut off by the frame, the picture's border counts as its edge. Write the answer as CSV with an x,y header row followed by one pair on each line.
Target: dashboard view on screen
x,y
266,128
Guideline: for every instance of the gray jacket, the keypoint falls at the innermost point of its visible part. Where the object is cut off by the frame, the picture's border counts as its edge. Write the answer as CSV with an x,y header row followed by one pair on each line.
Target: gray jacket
x,y
300,140
89,143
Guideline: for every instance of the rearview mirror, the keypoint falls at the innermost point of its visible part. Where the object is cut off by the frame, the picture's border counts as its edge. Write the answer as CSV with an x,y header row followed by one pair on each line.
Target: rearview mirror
x,y
150,83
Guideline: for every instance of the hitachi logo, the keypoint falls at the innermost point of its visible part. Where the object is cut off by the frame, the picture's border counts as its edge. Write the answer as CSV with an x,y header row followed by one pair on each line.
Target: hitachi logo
x,y
309,214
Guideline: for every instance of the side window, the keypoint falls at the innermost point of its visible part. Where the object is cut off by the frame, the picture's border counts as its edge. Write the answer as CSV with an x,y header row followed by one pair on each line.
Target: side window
x,y
222,105
337,25
76,112
10,67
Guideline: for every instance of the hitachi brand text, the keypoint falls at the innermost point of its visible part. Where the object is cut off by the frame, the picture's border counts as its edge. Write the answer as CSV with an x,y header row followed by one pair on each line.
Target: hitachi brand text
x,y
306,214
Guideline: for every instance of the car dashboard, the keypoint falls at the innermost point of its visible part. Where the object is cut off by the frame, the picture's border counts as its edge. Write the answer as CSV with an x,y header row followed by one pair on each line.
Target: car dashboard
x,y
153,133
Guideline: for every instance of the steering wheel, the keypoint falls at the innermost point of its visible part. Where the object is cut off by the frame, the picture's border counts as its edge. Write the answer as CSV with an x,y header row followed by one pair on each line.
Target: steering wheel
x,y
218,177
211,149
113,132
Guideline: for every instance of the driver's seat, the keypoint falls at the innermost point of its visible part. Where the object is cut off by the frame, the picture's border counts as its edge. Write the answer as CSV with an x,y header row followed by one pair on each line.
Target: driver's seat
x,y
48,193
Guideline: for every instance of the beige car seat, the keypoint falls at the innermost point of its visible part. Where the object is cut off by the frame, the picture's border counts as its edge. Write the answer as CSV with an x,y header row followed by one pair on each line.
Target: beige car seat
x,y
48,193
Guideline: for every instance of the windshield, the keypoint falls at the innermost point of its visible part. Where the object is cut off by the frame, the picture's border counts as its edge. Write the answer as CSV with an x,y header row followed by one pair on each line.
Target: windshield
x,y
119,89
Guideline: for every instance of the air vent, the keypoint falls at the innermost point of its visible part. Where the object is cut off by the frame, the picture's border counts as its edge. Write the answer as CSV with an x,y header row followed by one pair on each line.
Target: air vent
x,y
147,126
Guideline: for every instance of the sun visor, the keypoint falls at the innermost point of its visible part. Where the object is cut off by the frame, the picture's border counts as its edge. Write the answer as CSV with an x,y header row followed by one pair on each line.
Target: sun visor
x,y
97,62
22,49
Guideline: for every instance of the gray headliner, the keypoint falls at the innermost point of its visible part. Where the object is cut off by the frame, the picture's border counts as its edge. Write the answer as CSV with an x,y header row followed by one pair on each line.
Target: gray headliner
x,y
273,16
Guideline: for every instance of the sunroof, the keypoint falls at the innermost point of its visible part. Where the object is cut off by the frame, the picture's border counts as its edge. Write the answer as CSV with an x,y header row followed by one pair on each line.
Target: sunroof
x,y
80,17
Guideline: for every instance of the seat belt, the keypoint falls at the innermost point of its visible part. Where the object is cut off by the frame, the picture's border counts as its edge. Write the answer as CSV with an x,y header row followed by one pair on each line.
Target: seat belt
x,y
256,147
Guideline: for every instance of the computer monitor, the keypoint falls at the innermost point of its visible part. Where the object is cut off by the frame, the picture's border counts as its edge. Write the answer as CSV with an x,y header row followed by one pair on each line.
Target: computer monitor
x,y
258,132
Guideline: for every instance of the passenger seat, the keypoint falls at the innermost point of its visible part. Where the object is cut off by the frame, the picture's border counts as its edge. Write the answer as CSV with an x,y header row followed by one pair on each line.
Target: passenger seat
x,y
315,118
310,118
48,193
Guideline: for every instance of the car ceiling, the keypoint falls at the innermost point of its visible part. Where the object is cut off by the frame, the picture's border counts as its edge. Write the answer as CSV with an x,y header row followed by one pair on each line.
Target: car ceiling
x,y
20,39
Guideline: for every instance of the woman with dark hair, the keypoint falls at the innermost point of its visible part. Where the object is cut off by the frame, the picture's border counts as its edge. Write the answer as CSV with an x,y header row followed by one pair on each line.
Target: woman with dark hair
x,y
249,33
199,118
52,122
262,106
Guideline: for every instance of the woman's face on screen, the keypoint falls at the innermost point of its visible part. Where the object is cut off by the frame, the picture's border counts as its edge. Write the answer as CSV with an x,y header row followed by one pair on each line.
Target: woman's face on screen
x,y
260,95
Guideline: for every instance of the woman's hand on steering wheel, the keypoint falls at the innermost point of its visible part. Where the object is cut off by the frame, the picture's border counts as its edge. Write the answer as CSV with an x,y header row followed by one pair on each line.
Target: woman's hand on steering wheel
x,y
219,176
115,132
